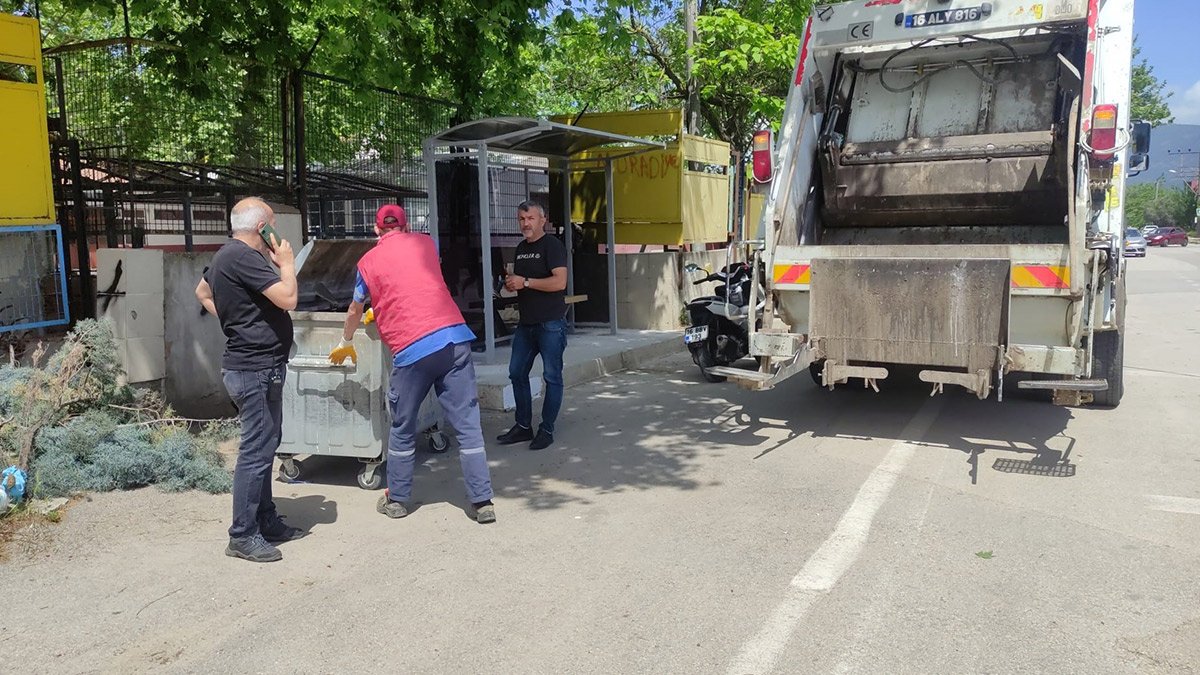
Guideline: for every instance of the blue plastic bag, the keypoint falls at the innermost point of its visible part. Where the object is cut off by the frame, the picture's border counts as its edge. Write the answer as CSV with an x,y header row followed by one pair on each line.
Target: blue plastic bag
x,y
13,482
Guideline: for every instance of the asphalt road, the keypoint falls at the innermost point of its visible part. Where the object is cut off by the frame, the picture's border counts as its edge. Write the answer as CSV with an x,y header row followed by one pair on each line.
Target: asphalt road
x,y
686,527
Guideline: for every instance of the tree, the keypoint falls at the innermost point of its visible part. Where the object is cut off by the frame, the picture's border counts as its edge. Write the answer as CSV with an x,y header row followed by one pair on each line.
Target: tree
x,y
465,50
743,57
1157,204
1149,100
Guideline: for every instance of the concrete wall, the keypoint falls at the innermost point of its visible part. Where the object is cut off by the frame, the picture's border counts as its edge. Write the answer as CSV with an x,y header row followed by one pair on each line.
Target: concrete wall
x,y
130,295
653,288
194,343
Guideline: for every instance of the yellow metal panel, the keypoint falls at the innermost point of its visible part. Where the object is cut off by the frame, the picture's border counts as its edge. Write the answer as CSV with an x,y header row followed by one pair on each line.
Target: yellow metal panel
x,y
646,189
706,150
19,40
631,122
26,189
705,208
754,207
670,234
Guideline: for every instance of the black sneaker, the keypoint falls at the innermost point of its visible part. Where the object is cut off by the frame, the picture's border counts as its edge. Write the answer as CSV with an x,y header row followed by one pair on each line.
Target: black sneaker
x,y
276,531
517,434
253,548
543,440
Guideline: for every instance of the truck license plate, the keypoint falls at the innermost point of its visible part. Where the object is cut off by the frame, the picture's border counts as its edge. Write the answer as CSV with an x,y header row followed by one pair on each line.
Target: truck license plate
x,y
696,334
943,17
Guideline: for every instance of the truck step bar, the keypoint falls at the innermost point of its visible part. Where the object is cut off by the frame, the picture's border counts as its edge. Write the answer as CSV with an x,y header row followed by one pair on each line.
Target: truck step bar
x,y
1070,385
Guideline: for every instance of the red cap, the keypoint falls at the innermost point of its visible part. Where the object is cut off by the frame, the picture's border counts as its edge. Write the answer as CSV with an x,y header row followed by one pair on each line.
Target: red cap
x,y
391,216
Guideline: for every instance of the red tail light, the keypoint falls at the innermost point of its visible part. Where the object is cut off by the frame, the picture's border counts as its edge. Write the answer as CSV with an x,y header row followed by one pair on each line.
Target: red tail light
x,y
762,155
1104,131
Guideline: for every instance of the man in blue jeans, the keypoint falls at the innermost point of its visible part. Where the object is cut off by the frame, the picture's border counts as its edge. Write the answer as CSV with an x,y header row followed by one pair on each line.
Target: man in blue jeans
x,y
540,280
251,300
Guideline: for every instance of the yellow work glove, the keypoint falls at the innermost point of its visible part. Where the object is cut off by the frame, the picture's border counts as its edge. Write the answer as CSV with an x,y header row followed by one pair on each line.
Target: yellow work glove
x,y
369,317
340,352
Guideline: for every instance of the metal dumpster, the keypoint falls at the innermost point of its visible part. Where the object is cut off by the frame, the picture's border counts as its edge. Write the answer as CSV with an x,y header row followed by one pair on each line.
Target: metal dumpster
x,y
338,411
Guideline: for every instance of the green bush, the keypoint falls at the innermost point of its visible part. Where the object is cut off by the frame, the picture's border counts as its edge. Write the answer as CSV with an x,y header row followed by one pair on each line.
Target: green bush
x,y
78,428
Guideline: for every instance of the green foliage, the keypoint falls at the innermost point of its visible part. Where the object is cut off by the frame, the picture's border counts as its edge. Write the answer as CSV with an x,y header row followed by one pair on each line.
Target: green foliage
x,y
580,69
76,426
744,68
1156,204
742,60
94,453
1149,96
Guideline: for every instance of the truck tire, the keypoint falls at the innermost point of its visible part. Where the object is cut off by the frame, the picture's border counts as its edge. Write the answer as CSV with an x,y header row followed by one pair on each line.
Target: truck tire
x,y
1108,361
815,369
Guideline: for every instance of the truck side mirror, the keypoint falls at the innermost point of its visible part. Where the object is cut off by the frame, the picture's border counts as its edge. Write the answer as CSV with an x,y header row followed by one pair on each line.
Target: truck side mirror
x,y
1139,150
1141,138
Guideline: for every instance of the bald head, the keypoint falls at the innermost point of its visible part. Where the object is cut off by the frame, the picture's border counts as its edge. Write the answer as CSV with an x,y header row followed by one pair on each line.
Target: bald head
x,y
248,214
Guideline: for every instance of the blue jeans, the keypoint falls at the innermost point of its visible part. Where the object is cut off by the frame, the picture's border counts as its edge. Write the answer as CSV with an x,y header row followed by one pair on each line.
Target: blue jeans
x,y
451,375
548,339
258,396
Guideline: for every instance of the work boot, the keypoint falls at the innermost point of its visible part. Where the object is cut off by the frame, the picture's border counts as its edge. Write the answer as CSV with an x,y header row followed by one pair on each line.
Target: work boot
x,y
390,508
253,548
517,434
485,512
543,440
276,531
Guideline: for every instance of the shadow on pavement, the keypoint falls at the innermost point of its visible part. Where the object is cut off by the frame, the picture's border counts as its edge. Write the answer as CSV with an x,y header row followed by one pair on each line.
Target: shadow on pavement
x,y
307,512
653,428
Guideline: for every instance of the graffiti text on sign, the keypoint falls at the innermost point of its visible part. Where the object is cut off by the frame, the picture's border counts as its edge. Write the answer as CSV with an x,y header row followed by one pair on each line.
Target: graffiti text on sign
x,y
648,166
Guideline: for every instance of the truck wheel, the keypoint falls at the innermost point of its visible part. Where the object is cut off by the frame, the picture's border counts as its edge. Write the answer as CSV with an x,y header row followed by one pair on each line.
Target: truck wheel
x,y
815,369
1108,361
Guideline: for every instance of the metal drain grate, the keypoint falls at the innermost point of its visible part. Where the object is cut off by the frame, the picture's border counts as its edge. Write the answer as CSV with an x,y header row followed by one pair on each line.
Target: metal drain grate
x,y
1034,468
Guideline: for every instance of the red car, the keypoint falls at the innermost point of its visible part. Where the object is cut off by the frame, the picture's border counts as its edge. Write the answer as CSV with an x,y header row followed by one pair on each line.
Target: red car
x,y
1165,236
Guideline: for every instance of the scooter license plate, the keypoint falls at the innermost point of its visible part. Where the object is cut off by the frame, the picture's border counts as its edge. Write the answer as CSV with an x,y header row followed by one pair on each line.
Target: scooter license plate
x,y
693,335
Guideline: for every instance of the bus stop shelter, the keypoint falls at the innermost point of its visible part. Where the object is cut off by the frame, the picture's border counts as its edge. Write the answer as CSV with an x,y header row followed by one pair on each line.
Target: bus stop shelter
x,y
487,141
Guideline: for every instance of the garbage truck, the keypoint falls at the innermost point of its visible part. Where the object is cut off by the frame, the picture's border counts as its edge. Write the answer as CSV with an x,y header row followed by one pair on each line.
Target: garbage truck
x,y
945,196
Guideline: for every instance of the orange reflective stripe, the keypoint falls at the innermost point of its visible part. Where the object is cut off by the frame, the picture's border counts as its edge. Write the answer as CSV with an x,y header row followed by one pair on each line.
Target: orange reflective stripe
x,y
792,274
1041,276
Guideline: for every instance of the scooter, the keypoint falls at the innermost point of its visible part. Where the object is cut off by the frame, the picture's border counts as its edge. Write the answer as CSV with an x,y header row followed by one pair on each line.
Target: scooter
x,y
719,333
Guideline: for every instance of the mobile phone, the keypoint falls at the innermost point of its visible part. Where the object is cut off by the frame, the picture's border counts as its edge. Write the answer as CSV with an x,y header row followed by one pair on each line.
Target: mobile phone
x,y
269,235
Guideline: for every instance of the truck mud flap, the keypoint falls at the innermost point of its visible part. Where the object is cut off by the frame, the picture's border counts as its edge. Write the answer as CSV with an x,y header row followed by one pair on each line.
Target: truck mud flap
x,y
943,313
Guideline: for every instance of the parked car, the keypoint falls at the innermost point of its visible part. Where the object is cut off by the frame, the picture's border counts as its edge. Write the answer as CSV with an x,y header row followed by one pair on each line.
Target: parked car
x,y
1149,230
1135,244
1165,236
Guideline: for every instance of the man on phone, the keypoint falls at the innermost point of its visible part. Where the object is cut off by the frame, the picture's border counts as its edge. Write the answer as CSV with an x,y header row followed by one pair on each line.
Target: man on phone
x,y
540,280
252,301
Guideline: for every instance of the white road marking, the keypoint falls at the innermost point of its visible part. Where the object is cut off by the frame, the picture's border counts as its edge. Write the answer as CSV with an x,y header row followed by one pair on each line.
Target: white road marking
x,y
1173,504
837,554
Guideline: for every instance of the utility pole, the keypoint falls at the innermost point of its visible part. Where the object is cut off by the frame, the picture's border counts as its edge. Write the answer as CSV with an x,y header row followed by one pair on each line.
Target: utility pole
x,y
692,109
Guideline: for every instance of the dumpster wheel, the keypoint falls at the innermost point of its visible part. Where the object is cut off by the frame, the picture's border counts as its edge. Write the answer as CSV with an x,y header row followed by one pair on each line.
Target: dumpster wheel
x,y
289,470
438,443
370,477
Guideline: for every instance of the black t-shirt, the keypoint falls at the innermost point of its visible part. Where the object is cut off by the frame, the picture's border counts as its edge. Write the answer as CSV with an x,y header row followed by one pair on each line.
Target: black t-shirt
x,y
534,261
258,333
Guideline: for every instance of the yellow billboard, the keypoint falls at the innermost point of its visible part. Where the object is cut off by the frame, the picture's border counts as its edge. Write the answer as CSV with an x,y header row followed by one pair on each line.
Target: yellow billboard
x,y
26,187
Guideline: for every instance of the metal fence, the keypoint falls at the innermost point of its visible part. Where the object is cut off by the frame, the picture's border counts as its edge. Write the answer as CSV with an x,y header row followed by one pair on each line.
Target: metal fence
x,y
149,144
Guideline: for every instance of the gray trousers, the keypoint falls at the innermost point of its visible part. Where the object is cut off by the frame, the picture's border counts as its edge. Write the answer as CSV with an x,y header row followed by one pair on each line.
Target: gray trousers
x,y
451,375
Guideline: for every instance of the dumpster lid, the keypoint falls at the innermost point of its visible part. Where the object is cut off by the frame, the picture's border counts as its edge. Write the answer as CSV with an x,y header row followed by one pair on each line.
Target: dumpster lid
x,y
325,273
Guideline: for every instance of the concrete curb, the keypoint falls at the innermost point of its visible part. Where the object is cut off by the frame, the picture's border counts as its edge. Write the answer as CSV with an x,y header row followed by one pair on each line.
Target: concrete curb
x,y
491,394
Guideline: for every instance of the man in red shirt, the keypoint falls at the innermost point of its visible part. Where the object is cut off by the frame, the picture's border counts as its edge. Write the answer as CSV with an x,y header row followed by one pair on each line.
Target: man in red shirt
x,y
431,345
